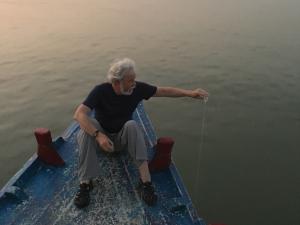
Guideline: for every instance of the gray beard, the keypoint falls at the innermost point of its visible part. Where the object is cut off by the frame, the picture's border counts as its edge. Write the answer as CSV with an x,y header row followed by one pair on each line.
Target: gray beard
x,y
129,92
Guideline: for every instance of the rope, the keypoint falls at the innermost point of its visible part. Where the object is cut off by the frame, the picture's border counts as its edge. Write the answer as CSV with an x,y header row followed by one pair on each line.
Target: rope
x,y
200,152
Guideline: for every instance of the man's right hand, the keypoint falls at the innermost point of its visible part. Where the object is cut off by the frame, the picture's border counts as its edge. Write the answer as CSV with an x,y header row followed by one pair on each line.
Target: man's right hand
x,y
104,142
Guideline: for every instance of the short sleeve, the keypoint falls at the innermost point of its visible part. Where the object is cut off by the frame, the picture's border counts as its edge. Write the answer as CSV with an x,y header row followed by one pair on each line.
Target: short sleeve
x,y
147,90
93,98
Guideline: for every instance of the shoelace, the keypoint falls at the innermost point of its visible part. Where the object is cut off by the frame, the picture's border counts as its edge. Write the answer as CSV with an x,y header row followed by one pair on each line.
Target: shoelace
x,y
148,188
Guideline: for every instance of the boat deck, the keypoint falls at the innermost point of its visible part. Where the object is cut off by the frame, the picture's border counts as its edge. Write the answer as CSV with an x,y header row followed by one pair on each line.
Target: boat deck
x,y
43,194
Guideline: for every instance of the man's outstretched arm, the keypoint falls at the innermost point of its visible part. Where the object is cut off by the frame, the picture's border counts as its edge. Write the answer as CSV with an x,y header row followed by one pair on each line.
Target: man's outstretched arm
x,y
178,92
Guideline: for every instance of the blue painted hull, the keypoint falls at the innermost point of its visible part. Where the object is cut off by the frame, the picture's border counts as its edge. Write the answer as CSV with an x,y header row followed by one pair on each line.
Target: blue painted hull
x,y
43,194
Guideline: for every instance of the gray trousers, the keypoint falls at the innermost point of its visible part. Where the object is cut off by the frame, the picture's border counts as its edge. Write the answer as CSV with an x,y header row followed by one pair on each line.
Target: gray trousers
x,y
130,138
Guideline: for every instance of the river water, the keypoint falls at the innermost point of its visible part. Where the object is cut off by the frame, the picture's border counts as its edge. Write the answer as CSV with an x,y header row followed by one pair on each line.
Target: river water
x,y
245,53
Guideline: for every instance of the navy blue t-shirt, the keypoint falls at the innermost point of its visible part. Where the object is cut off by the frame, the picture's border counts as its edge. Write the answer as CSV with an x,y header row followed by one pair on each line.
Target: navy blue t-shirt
x,y
112,111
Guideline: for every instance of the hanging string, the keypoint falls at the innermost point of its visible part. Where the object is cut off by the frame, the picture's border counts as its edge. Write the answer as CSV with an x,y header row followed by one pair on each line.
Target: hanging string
x,y
200,151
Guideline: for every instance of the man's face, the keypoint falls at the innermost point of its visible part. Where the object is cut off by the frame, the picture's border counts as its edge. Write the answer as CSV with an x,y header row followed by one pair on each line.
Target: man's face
x,y
128,83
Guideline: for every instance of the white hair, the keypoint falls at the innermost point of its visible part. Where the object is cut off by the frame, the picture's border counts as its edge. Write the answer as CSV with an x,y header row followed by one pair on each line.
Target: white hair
x,y
119,68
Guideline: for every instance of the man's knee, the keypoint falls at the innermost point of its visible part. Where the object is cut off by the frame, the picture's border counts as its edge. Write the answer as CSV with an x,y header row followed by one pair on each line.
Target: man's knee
x,y
131,125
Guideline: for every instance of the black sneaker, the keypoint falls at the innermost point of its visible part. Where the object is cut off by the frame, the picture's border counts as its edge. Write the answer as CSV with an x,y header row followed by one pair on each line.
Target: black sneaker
x,y
82,198
147,193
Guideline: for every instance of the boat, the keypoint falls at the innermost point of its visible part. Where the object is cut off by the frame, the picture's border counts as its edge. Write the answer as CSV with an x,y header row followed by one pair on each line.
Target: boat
x,y
41,193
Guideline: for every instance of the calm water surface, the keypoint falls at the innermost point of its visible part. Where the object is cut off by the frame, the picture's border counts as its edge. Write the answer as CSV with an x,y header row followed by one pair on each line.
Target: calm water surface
x,y
245,53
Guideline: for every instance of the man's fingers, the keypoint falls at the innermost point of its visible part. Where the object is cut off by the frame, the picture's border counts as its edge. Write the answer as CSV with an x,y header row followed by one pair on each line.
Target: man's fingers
x,y
109,146
202,93
106,146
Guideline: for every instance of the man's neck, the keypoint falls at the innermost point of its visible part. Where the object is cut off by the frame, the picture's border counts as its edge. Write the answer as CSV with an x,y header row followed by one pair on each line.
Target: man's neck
x,y
116,89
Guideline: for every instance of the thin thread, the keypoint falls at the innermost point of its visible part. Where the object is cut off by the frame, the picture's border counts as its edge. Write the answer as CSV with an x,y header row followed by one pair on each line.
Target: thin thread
x,y
200,152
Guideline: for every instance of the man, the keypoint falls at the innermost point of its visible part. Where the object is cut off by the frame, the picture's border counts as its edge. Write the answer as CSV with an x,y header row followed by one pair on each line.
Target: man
x,y
113,128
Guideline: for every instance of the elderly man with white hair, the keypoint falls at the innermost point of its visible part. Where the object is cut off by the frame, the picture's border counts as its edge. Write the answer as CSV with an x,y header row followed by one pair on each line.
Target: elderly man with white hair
x,y
113,129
